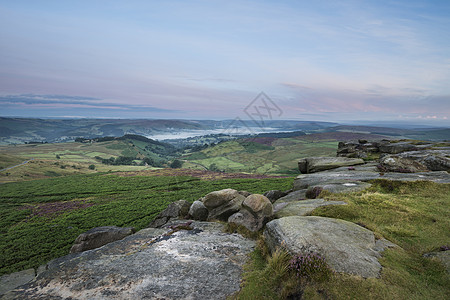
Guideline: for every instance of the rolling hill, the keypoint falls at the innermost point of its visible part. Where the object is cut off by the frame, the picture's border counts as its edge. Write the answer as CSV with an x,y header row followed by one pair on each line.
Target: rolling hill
x,y
130,152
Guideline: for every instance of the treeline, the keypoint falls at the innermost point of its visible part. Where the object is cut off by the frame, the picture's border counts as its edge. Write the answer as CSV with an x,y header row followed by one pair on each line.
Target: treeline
x,y
129,161
125,137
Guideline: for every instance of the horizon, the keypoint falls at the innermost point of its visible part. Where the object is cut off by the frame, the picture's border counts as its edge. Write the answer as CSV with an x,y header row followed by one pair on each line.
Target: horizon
x,y
347,62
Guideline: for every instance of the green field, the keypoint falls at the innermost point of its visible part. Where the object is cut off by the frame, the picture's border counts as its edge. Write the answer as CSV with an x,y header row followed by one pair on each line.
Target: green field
x,y
262,155
40,219
70,158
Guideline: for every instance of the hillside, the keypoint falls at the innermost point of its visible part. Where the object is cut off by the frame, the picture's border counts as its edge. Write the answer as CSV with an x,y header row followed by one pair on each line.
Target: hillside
x,y
129,152
268,153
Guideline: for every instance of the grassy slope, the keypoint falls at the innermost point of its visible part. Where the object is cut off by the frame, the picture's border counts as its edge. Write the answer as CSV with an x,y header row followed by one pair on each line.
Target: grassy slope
x,y
40,219
279,156
75,158
412,215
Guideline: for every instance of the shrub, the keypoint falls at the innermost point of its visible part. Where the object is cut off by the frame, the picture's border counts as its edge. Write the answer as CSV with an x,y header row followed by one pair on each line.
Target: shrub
x,y
91,167
313,193
176,164
310,266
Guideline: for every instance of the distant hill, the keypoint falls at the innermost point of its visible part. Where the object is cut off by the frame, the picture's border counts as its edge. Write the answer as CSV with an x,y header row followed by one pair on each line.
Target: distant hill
x,y
20,130
275,153
427,134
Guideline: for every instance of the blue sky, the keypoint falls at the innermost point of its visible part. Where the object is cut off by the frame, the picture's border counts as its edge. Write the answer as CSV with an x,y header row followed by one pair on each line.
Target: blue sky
x,y
317,60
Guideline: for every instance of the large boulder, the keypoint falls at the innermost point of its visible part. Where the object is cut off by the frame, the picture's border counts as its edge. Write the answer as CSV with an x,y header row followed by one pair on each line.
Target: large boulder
x,y
317,164
222,204
395,163
99,236
395,148
256,211
177,209
302,207
346,247
434,160
198,211
202,263
274,195
9,282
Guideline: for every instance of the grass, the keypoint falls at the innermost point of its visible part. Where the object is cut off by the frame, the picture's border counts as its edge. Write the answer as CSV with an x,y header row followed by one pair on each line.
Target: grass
x,y
40,219
414,215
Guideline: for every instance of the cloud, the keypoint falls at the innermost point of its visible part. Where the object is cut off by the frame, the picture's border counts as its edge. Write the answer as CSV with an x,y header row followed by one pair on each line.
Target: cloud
x,y
49,102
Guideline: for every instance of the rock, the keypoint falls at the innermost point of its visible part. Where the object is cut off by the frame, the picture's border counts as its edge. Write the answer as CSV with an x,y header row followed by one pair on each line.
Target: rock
x,y
203,263
256,211
343,177
246,219
304,181
293,196
437,163
317,164
198,211
222,204
274,195
302,207
395,148
177,209
345,187
395,163
244,193
434,160
346,247
99,236
218,198
9,282
442,256
259,205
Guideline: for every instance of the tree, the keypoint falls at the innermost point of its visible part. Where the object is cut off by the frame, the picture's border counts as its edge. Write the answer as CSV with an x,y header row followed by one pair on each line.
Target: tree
x,y
176,164
92,167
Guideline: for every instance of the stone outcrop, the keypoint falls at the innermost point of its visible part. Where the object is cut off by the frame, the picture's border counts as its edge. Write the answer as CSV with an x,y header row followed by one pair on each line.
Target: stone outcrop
x,y
346,247
318,164
11,281
274,195
256,211
396,163
99,236
352,180
198,211
433,160
202,263
222,204
301,207
175,210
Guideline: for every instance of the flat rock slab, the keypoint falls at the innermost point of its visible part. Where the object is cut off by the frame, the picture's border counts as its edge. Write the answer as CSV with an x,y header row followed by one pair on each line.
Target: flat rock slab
x,y
302,207
293,196
203,263
304,181
346,247
13,280
318,164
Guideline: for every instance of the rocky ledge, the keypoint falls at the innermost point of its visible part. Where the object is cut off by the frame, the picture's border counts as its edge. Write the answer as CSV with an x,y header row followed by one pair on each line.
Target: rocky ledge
x,y
198,262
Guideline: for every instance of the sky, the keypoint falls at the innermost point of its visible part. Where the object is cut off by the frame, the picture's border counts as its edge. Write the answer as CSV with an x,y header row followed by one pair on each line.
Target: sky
x,y
314,60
